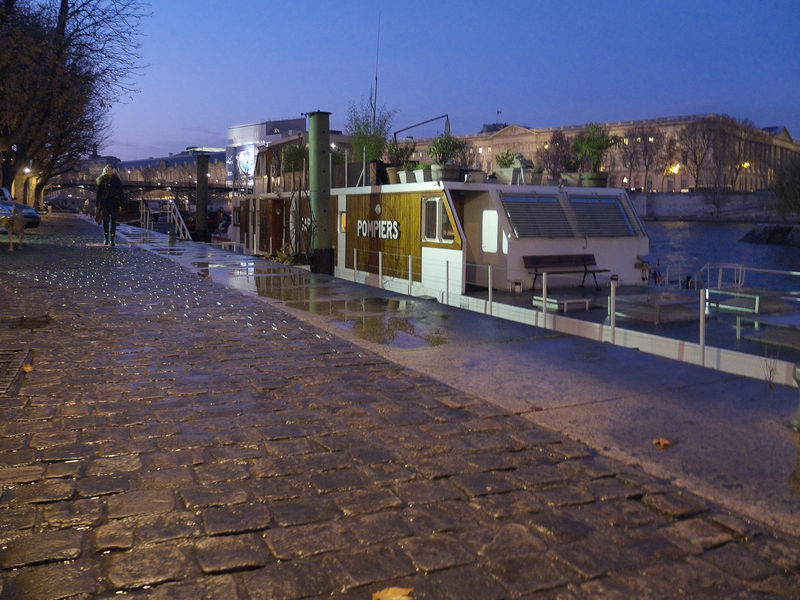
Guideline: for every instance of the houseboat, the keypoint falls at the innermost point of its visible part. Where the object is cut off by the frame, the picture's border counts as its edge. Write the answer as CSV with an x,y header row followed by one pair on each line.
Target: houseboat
x,y
442,239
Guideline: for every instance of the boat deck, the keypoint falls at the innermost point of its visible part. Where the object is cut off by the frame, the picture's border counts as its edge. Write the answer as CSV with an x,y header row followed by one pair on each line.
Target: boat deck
x,y
673,313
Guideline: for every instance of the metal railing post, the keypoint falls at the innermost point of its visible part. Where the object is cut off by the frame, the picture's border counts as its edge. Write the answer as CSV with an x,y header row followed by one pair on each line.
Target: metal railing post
x,y
544,299
613,307
355,264
490,290
703,327
380,269
447,282
410,281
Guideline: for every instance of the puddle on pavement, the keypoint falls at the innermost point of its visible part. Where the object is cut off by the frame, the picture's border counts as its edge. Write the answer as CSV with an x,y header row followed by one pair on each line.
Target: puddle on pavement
x,y
387,321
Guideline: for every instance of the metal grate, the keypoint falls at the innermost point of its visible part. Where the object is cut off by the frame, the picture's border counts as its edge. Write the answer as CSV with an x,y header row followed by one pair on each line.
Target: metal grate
x,y
536,216
11,362
601,217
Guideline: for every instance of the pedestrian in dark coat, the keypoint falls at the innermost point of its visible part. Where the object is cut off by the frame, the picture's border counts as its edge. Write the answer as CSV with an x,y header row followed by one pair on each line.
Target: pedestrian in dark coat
x,y
109,201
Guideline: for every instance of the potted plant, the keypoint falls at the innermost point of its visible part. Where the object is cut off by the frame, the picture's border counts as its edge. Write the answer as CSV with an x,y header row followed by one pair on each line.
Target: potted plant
x,y
398,154
590,149
506,162
406,172
443,150
537,173
422,172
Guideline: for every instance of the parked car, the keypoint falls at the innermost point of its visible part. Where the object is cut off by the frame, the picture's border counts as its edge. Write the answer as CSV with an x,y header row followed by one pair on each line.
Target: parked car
x,y
30,214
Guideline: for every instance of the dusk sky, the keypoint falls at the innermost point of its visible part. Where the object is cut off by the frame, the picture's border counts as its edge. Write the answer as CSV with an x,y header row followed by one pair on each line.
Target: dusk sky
x,y
212,64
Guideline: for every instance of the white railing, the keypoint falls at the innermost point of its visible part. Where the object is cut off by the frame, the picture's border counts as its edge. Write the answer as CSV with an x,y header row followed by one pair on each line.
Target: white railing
x,y
174,216
145,215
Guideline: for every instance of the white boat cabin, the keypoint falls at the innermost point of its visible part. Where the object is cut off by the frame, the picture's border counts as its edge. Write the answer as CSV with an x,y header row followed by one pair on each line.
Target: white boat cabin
x,y
441,238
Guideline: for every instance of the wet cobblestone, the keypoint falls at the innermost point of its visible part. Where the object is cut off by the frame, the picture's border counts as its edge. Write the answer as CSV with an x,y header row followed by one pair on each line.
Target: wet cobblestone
x,y
176,439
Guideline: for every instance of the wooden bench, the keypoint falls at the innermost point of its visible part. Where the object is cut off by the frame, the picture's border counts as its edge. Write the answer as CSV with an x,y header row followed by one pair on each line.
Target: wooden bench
x,y
563,263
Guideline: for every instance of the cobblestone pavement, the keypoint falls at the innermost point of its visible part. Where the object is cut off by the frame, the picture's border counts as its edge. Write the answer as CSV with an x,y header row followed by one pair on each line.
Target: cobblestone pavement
x,y
176,439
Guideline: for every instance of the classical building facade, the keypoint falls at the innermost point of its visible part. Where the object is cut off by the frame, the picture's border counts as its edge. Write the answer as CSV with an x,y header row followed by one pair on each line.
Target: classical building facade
x,y
751,154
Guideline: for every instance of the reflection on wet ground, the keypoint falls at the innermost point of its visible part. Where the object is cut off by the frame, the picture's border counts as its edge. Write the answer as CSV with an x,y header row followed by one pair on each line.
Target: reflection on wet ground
x,y
381,318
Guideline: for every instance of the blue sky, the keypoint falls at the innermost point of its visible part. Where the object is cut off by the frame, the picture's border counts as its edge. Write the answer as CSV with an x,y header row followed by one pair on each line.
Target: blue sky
x,y
212,64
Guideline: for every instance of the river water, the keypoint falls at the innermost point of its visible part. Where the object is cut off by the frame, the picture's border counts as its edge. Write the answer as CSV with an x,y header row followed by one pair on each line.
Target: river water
x,y
684,247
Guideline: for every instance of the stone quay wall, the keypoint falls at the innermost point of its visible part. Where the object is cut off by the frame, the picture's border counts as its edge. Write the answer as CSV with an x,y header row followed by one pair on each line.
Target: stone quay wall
x,y
706,206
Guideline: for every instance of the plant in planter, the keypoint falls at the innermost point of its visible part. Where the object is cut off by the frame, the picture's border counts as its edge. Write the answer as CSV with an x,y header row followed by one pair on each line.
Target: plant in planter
x,y
398,155
443,150
590,148
537,173
406,172
422,172
506,161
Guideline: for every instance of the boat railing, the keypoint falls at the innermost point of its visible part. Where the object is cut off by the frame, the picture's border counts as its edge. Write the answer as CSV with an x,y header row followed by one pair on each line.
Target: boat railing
x,y
736,276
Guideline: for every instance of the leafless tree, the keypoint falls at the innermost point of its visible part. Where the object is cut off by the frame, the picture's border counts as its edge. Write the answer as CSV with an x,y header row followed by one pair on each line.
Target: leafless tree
x,y
694,143
64,63
555,155
666,158
651,142
629,152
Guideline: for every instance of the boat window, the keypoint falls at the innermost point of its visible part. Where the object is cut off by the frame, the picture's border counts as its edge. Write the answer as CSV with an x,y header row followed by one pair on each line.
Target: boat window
x,y
430,208
448,234
436,223
601,217
536,216
489,231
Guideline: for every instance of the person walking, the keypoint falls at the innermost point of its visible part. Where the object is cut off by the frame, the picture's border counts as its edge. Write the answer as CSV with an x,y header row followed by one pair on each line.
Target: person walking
x,y
109,201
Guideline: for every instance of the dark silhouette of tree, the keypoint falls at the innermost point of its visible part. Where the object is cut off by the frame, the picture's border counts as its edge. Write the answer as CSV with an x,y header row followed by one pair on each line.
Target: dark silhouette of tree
x,y
787,186
694,143
64,63
556,155
651,142
629,152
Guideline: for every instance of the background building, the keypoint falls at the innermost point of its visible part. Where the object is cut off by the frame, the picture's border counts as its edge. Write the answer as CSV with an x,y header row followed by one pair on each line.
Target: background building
x,y
665,154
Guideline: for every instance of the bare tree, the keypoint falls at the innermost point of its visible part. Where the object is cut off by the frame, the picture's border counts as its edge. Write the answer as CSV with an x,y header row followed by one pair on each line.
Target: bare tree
x,y
694,143
555,155
65,62
629,152
666,159
651,142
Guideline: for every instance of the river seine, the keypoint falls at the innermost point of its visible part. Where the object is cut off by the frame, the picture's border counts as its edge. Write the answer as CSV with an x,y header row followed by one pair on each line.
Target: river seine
x,y
686,247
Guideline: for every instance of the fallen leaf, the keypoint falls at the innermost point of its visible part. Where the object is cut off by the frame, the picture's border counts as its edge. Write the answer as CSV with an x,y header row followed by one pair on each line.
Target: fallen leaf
x,y
662,443
27,367
393,593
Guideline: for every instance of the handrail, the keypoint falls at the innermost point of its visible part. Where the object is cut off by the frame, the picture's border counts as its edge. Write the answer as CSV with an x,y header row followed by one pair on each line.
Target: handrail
x,y
145,215
173,214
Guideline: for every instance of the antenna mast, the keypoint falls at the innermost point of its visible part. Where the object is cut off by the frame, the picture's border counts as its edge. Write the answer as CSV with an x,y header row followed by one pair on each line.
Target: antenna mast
x,y
374,99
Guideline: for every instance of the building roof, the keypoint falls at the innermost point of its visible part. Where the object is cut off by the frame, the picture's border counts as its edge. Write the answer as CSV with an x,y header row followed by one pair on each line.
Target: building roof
x,y
174,160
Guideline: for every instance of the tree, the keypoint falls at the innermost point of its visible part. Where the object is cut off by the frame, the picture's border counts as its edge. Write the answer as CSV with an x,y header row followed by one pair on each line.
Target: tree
x,y
591,145
64,63
651,143
787,186
629,151
556,155
694,143
369,128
